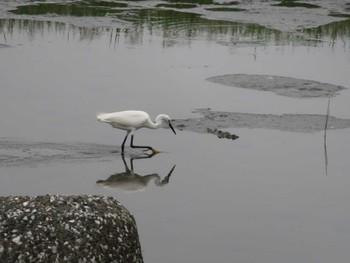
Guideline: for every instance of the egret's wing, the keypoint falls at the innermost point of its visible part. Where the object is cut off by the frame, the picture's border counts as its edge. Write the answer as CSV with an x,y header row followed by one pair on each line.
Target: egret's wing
x,y
125,119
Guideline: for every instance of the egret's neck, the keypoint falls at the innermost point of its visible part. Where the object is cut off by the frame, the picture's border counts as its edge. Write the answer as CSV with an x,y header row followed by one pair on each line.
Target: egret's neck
x,y
152,125
158,123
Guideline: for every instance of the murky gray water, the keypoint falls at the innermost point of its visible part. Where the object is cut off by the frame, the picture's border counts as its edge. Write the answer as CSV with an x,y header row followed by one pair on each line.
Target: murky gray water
x,y
278,193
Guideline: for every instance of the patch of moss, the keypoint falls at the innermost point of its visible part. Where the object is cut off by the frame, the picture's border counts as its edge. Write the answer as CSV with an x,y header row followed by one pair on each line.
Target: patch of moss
x,y
339,15
292,3
106,4
179,6
225,9
99,8
201,2
228,3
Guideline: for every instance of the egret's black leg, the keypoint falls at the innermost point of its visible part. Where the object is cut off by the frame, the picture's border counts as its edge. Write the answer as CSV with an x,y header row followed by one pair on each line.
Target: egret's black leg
x,y
124,141
135,146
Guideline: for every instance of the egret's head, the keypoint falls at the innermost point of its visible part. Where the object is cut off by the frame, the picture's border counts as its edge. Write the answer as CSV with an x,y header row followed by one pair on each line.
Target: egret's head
x,y
165,119
100,116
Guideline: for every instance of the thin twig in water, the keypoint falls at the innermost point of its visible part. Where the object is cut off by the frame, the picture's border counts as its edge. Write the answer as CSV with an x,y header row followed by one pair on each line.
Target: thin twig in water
x,y
325,135
327,117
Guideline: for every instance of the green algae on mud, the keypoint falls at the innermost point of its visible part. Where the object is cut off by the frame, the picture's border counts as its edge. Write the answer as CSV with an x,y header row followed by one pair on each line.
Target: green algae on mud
x,y
293,3
264,14
337,30
201,2
95,8
168,23
177,5
225,9
175,21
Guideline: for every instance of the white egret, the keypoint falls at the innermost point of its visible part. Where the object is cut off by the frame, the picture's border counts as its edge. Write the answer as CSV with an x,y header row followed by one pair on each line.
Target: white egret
x,y
132,120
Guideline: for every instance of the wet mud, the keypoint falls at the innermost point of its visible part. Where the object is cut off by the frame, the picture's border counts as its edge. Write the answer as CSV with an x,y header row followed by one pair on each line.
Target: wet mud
x,y
216,120
29,153
283,86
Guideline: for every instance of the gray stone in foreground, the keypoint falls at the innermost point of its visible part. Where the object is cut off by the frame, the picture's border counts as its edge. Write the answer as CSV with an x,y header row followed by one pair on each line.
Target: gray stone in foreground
x,y
56,228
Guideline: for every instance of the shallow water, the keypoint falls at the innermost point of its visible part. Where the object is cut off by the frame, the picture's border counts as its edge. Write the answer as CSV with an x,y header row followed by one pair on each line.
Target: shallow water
x,y
272,195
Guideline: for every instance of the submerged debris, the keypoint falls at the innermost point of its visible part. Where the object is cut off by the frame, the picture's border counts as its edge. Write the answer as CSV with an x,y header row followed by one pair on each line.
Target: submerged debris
x,y
222,134
55,228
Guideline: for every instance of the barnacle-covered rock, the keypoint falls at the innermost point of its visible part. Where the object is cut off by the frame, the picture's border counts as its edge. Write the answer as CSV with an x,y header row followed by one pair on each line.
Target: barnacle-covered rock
x,y
56,228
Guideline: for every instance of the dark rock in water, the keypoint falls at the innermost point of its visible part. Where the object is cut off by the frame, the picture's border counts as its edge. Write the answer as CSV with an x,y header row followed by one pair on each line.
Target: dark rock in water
x,y
222,134
284,86
55,228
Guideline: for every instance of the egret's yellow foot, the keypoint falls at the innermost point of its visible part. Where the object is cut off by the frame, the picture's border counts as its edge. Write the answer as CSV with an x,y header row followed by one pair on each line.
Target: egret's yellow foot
x,y
155,151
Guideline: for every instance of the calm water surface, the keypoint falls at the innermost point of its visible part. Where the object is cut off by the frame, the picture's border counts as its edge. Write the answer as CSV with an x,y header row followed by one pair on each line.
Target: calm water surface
x,y
269,196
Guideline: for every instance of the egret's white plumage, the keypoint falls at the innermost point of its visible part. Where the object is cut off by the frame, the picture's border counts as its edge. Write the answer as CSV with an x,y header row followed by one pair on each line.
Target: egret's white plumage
x,y
132,120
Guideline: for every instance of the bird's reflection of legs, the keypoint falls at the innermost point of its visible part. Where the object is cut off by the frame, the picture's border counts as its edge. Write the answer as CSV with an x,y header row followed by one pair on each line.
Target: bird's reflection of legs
x,y
147,156
127,170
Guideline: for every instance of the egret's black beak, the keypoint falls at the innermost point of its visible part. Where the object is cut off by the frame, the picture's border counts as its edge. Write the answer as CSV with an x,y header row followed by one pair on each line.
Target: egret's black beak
x,y
172,128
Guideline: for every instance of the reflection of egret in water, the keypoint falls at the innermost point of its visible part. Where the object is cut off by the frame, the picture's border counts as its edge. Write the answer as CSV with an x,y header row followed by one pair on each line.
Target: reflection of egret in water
x,y
129,181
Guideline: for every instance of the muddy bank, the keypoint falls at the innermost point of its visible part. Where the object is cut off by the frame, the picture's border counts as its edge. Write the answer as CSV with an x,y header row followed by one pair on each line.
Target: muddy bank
x,y
284,86
212,120
28,153
55,228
